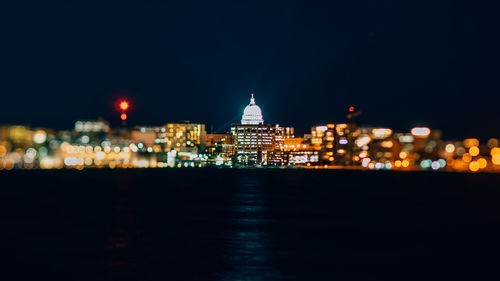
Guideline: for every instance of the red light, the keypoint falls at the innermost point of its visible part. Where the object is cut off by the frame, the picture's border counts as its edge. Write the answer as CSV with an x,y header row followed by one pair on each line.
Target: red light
x,y
351,109
124,105
123,116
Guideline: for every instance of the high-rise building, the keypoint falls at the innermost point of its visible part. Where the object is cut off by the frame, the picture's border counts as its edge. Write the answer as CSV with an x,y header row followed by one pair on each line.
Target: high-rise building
x,y
254,140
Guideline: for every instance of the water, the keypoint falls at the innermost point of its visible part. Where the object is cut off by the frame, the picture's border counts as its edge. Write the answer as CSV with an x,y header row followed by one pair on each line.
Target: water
x,y
248,224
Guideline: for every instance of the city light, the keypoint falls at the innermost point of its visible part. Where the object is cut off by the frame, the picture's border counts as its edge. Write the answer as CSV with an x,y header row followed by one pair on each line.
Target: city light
x,y
95,144
474,151
450,148
124,105
381,133
471,142
474,166
420,132
39,137
362,141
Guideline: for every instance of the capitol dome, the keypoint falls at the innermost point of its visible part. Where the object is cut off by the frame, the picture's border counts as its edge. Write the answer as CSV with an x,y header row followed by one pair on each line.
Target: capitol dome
x,y
252,115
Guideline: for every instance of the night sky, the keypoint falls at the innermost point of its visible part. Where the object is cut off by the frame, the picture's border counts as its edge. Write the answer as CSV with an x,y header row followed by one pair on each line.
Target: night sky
x,y
433,63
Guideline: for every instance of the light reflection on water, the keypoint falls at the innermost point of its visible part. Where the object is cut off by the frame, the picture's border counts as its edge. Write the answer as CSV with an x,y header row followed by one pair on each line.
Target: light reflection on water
x,y
122,259
247,247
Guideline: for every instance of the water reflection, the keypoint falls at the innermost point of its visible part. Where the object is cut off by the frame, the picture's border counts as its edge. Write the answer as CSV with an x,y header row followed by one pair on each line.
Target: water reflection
x,y
121,256
247,245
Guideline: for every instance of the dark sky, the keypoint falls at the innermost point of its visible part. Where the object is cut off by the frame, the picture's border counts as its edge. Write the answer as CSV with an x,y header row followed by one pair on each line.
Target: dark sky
x,y
404,63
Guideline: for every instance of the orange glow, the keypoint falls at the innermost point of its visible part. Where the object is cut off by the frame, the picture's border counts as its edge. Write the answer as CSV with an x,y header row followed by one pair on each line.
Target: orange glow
x,y
123,116
381,133
474,166
458,164
482,163
467,157
496,159
471,142
403,155
495,151
124,105
386,144
474,151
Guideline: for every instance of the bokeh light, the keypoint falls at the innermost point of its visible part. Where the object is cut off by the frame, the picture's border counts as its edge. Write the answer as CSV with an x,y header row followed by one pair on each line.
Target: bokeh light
x,y
482,163
420,132
474,166
474,151
467,157
450,148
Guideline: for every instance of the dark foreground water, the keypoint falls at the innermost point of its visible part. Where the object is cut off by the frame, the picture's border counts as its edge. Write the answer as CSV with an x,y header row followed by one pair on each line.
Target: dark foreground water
x,y
209,224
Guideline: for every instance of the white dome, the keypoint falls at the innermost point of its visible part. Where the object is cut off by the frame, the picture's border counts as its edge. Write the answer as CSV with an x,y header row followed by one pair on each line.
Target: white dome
x,y
252,115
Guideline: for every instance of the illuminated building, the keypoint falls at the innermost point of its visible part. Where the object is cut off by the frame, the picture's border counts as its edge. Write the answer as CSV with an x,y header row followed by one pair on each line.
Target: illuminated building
x,y
323,141
253,140
374,147
220,144
182,137
252,115
283,134
252,143
214,139
345,134
184,141
220,149
298,151
334,142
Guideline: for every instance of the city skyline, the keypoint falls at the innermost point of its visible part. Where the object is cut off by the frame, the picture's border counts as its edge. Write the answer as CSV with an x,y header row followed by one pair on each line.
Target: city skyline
x,y
132,120
252,142
308,62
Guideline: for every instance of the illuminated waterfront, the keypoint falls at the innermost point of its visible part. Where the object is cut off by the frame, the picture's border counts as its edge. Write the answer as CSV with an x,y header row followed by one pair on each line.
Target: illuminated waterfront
x,y
251,143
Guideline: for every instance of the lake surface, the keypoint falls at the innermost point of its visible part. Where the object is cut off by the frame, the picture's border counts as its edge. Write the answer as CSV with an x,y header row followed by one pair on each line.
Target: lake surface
x,y
248,224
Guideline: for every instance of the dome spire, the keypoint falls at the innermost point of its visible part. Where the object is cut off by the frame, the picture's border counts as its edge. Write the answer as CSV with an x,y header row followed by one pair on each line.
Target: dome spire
x,y
252,100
